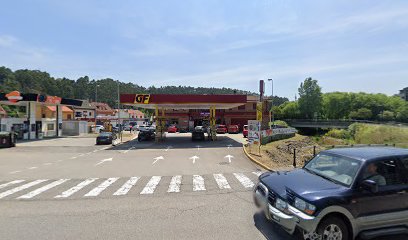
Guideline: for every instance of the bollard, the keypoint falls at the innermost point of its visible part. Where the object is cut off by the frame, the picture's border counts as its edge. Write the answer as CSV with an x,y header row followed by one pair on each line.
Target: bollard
x,y
294,157
314,151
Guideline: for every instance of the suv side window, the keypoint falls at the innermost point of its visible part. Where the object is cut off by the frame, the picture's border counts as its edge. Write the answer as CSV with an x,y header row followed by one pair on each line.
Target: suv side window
x,y
384,173
404,170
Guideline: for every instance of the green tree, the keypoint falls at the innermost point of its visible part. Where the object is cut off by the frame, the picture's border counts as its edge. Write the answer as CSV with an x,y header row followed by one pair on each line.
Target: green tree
x,y
290,110
361,114
336,105
386,116
310,98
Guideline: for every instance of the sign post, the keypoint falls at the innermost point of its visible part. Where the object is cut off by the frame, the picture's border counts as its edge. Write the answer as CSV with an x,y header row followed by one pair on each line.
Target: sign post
x,y
254,135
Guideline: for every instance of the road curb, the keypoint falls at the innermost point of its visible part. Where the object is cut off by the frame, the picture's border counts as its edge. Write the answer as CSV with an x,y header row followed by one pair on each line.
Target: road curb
x,y
254,160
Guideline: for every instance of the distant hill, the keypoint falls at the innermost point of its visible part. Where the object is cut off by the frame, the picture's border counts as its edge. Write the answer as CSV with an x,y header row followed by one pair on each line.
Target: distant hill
x,y
36,81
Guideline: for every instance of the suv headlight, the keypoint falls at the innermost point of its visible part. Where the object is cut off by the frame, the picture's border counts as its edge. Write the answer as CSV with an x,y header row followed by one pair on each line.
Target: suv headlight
x,y
281,204
304,206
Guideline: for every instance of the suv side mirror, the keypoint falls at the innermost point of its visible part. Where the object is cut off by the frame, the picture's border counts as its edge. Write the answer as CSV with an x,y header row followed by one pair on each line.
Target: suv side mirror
x,y
370,185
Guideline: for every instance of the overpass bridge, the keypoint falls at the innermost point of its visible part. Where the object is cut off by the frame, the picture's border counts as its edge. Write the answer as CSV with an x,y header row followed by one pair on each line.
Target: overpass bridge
x,y
323,124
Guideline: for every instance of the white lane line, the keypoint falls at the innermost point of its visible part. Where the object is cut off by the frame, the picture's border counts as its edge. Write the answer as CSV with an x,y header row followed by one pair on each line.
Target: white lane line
x,y
151,185
127,186
42,189
175,184
104,148
73,157
96,191
10,183
81,155
198,183
96,150
20,188
244,180
13,172
258,173
221,181
31,168
75,189
46,164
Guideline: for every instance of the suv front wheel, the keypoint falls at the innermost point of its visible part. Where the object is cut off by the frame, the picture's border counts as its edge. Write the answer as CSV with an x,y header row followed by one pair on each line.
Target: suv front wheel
x,y
331,228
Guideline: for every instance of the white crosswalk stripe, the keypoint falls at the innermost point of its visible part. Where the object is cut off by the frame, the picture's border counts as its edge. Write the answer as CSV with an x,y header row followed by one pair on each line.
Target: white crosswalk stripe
x,y
42,189
151,185
258,173
175,184
244,180
10,183
221,181
127,186
96,191
22,187
198,183
75,189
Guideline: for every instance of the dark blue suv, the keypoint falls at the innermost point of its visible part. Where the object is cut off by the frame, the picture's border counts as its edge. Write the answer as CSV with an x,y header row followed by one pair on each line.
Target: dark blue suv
x,y
341,193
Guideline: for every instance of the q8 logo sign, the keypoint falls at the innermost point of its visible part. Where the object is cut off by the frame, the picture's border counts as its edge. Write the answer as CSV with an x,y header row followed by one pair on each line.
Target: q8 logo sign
x,y
142,98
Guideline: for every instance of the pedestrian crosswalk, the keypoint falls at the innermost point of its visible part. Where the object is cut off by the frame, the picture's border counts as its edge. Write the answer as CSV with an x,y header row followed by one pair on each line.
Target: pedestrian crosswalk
x,y
114,186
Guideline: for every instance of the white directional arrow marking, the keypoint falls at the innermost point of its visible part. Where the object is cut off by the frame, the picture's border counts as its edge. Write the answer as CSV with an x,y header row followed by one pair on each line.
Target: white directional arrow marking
x,y
198,147
168,148
229,158
157,159
194,158
104,160
229,145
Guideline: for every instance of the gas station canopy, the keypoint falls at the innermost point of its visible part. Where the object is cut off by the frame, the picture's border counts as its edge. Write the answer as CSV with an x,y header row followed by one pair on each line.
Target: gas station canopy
x,y
183,101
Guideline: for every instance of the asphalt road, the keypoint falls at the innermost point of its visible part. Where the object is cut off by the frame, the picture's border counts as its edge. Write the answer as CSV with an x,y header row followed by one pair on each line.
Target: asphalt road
x,y
69,188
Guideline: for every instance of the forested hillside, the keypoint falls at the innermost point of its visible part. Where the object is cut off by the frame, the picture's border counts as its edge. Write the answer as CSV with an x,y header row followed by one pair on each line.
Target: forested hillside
x,y
35,81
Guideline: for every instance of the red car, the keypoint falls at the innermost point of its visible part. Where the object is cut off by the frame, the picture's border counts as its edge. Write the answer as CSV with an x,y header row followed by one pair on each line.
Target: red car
x,y
233,129
172,129
221,129
245,131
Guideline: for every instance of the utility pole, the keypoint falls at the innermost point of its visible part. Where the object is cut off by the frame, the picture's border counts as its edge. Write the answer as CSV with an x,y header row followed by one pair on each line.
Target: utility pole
x,y
273,114
96,104
119,125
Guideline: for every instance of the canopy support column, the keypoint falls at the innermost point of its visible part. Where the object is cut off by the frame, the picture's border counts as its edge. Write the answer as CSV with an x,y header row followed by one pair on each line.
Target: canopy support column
x,y
213,132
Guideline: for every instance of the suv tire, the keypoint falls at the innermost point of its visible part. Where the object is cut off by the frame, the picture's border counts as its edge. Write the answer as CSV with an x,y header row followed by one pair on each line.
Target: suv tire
x,y
333,228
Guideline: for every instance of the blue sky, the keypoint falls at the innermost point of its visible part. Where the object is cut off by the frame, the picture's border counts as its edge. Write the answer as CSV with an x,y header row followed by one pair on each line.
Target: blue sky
x,y
346,45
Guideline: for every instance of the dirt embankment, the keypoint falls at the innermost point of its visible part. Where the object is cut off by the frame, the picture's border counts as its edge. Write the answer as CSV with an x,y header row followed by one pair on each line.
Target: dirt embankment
x,y
279,155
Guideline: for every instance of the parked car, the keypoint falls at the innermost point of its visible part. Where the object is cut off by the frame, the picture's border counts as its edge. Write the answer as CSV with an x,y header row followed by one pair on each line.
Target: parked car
x,y
172,129
340,194
198,133
233,129
104,138
221,129
245,131
143,127
97,128
146,135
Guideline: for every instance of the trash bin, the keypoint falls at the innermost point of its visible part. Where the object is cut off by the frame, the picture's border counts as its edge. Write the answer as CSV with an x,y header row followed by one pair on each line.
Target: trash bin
x,y
7,139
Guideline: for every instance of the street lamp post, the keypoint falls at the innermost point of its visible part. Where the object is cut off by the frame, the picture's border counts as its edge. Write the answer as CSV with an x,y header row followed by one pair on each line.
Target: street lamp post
x,y
272,115
119,125
96,103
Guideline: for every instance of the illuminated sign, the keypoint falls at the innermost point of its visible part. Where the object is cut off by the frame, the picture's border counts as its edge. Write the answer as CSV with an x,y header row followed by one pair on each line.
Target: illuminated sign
x,y
142,98
14,96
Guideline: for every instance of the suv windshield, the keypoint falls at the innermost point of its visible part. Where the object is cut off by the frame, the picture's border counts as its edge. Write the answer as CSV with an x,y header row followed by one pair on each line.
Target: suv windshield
x,y
339,169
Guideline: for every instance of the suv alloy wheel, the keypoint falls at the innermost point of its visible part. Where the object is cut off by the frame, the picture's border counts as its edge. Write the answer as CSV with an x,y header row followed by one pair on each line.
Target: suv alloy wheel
x,y
331,228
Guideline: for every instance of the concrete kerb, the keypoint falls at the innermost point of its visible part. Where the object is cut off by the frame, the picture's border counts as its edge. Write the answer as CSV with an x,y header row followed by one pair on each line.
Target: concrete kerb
x,y
254,160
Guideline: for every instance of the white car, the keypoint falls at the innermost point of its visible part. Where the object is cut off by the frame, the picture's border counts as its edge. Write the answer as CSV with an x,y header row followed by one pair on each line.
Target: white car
x,y
97,128
143,127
